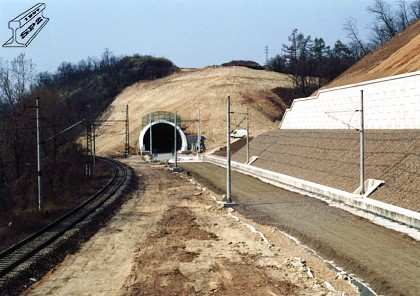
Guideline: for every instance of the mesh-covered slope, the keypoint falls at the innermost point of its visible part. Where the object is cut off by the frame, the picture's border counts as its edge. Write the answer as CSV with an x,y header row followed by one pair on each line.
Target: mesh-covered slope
x,y
331,157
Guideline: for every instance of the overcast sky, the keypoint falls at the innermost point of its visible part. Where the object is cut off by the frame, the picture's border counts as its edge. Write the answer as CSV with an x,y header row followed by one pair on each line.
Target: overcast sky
x,y
192,33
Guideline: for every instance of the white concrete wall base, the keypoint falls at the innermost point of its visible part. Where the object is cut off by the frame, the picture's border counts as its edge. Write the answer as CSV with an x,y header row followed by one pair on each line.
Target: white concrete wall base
x,y
335,197
390,103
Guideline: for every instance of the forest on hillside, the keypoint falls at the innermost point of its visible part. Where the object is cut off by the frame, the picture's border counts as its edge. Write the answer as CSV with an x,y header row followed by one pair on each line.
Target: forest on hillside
x,y
313,63
75,93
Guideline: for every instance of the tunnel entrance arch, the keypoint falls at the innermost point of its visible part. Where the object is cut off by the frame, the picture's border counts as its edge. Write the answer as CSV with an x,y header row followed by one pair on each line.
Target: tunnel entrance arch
x,y
162,137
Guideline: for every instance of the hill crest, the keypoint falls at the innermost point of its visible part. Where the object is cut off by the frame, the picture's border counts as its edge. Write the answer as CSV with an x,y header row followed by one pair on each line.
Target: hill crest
x,y
189,90
400,55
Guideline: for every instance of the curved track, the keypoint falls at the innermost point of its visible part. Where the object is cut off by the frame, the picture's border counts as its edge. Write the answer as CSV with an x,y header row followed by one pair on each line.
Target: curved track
x,y
28,248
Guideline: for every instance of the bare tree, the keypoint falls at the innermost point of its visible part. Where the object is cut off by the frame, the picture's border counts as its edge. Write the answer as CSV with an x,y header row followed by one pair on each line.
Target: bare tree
x,y
350,27
403,17
385,26
6,91
415,9
15,81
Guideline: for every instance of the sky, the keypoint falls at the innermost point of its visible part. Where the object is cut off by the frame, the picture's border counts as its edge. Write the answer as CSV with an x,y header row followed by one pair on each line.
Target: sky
x,y
192,33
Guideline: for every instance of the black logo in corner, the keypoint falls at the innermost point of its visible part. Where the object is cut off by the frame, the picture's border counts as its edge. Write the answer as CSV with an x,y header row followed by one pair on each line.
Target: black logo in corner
x,y
26,26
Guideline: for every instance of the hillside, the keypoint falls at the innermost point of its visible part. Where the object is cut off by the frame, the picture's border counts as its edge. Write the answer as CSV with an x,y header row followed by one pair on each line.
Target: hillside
x,y
331,157
398,56
188,91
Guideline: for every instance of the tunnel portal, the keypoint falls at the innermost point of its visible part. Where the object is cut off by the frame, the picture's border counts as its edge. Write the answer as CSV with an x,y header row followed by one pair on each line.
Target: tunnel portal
x,y
162,138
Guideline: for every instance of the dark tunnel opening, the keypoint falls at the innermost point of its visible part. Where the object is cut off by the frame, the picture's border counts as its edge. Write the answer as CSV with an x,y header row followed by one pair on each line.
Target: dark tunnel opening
x,y
162,139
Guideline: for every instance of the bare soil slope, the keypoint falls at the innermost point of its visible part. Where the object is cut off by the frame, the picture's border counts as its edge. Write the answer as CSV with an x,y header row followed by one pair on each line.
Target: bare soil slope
x,y
398,56
205,89
331,157
171,238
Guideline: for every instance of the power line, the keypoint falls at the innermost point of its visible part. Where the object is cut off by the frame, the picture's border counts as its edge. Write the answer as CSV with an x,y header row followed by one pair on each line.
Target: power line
x,y
63,131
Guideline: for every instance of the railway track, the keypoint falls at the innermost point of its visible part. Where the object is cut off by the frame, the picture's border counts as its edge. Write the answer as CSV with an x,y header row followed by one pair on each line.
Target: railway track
x,y
26,252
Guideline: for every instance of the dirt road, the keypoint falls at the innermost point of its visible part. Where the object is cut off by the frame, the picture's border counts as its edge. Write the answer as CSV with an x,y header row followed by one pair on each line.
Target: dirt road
x,y
172,238
388,260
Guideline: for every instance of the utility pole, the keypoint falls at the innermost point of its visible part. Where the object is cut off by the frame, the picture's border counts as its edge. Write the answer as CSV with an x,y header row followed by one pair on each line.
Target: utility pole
x,y
88,150
127,134
150,136
228,156
247,135
38,154
93,148
175,142
362,144
88,168
199,134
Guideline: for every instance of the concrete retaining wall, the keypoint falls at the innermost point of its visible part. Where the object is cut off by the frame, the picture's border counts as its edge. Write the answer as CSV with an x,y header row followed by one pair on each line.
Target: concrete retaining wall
x,y
394,213
390,103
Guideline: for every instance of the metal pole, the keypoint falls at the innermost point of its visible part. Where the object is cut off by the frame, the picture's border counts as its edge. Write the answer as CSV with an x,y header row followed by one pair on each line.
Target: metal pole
x,y
127,133
175,142
38,154
228,156
362,144
151,136
247,135
93,148
88,150
199,134
88,141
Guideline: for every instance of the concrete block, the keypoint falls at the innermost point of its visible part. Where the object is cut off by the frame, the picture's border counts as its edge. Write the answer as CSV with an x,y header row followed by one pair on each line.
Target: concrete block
x,y
390,103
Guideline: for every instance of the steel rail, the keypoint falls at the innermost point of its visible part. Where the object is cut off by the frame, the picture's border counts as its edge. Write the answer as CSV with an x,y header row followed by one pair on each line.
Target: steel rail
x,y
22,251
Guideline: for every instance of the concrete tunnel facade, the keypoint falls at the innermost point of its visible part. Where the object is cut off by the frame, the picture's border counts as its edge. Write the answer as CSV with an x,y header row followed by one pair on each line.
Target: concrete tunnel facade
x,y
162,137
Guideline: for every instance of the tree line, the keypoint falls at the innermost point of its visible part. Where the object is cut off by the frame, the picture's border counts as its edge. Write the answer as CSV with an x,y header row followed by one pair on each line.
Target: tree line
x,y
312,63
388,21
76,91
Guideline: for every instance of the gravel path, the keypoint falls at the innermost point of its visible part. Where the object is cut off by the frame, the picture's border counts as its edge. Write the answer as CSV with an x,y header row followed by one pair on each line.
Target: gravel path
x,y
172,238
386,259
